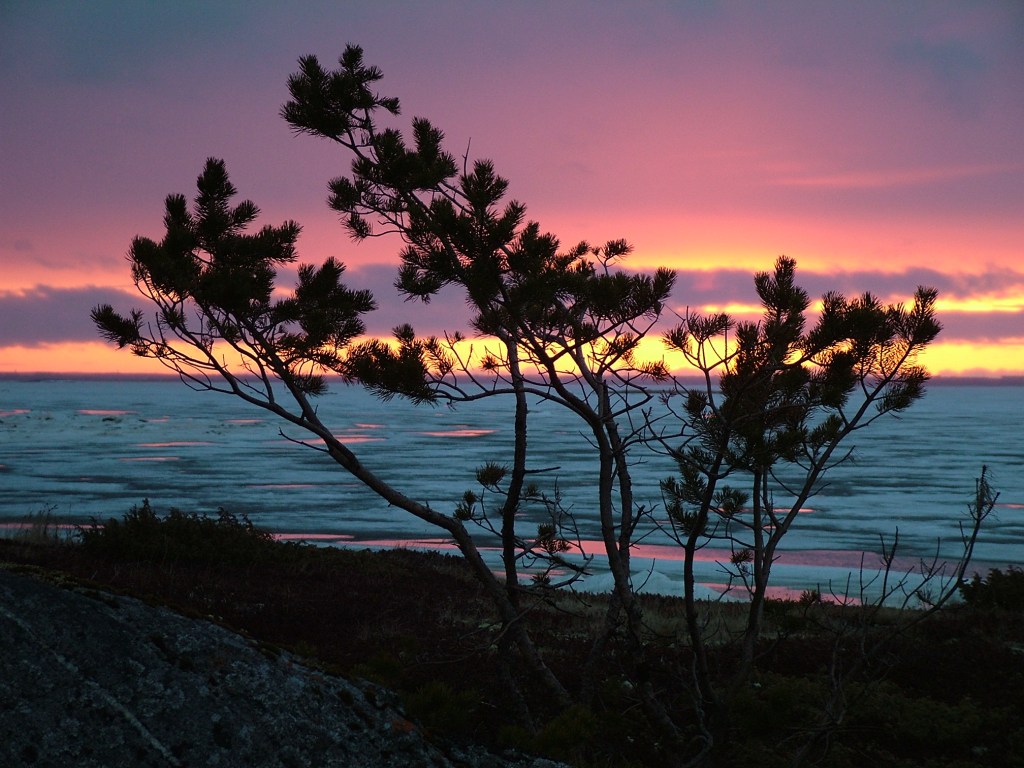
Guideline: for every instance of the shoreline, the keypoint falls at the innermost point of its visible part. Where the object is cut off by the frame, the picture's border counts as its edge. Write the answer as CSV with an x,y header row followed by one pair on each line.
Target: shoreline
x,y
837,573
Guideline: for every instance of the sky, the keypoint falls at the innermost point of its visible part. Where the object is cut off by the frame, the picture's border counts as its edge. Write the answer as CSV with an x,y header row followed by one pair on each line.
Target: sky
x,y
877,143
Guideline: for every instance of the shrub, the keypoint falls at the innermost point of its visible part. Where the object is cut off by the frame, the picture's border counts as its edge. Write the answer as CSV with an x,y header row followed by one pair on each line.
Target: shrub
x,y
142,535
999,589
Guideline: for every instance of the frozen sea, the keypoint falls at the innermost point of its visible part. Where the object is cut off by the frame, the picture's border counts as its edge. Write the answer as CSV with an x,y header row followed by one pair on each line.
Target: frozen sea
x,y
83,448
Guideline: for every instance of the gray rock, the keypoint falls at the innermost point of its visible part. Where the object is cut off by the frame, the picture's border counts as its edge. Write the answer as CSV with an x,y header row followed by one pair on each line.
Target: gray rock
x,y
88,678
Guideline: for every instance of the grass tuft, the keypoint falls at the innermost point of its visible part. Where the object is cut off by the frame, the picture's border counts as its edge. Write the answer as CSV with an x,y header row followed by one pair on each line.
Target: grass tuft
x,y
40,528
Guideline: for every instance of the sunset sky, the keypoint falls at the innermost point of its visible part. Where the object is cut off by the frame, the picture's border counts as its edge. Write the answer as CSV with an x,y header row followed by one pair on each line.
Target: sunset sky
x,y
880,144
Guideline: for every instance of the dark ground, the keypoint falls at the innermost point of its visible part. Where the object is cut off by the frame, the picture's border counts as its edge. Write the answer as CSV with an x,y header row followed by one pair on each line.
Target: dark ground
x,y
951,693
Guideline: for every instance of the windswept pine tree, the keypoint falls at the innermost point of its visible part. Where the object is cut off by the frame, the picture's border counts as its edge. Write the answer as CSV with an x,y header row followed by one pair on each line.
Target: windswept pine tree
x,y
750,445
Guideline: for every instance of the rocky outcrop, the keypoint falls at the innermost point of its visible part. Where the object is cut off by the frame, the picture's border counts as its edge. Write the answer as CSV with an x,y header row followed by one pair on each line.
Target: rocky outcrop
x,y
88,678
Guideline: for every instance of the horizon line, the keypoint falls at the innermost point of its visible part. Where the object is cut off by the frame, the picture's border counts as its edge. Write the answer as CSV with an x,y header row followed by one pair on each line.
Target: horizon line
x,y
943,379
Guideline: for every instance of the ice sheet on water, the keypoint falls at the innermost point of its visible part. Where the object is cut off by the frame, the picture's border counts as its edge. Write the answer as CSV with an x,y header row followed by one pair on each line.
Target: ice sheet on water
x,y
94,448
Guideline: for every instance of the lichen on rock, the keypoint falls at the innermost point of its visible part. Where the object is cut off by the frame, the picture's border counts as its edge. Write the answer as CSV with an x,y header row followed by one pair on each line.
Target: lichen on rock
x,y
93,679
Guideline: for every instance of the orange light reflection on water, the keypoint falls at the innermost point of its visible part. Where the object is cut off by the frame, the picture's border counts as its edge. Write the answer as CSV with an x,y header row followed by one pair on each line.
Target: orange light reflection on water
x,y
354,438
811,558
458,433
782,593
174,444
444,545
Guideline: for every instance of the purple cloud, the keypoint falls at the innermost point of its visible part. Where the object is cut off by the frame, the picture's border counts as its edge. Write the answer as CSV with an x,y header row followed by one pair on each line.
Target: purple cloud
x,y
47,314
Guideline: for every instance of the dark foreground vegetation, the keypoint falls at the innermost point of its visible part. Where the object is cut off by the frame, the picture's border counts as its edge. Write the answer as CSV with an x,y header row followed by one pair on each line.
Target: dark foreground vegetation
x,y
949,692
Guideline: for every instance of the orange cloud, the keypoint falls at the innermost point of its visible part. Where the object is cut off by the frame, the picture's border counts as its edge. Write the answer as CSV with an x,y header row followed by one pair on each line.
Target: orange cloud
x,y
93,357
982,304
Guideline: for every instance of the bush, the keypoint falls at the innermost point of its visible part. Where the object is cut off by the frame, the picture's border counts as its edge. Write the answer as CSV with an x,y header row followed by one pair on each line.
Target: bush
x,y
142,535
999,589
